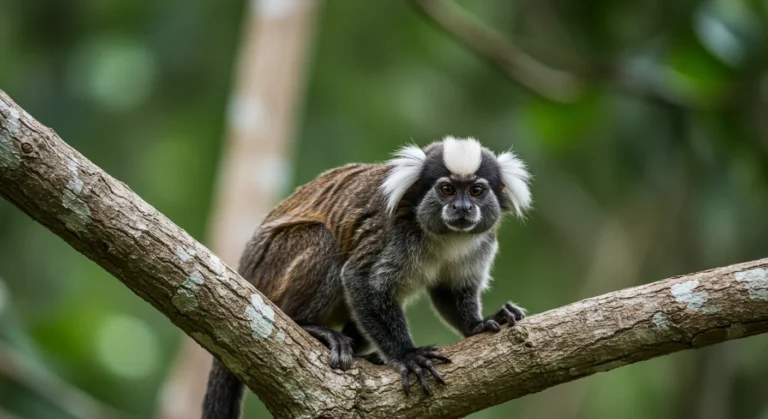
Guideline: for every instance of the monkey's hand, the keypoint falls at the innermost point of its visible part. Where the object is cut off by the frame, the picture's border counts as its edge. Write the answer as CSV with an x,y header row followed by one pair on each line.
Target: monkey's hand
x,y
416,362
508,313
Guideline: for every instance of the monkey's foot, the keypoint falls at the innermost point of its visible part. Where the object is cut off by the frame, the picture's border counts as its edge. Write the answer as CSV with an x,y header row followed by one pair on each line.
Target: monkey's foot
x,y
508,314
339,344
415,362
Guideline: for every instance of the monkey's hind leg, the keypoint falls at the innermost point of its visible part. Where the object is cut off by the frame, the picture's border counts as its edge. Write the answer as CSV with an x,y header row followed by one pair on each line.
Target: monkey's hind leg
x,y
339,344
361,345
300,274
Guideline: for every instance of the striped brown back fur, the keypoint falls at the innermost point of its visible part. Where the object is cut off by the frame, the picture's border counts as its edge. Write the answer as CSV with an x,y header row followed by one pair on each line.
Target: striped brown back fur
x,y
303,241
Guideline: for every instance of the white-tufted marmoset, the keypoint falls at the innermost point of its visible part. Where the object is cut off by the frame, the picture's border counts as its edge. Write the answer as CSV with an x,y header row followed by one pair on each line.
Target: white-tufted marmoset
x,y
344,252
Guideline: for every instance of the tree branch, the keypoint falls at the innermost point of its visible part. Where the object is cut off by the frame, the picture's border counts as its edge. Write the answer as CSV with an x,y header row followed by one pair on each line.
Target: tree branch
x,y
102,218
558,85
551,83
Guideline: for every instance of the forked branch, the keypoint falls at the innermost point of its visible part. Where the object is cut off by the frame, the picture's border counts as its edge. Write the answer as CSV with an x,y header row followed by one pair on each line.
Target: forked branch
x,y
103,219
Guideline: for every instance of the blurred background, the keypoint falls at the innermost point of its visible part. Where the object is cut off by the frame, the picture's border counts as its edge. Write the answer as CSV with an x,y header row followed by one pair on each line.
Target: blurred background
x,y
644,123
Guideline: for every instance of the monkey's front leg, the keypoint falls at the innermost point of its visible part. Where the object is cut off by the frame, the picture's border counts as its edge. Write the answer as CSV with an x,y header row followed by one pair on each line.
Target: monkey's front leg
x,y
379,315
460,307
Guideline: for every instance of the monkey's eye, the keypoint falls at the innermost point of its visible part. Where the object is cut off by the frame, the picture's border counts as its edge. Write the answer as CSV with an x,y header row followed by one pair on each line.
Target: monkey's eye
x,y
476,190
447,190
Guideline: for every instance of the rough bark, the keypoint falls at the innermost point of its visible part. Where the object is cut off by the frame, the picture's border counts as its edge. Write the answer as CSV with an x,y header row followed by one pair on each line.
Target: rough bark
x,y
102,218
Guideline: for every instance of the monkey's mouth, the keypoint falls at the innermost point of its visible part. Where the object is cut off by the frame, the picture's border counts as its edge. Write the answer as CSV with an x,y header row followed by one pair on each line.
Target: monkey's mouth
x,y
460,224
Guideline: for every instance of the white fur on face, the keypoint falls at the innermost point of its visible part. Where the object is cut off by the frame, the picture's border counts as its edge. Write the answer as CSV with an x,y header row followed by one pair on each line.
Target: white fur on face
x,y
462,156
446,219
515,177
406,169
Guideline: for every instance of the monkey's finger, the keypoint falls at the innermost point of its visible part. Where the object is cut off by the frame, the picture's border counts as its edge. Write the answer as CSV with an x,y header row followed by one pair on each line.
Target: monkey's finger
x,y
345,359
404,377
345,354
429,348
333,359
492,325
339,359
431,368
504,316
437,355
420,375
517,311
511,321
499,317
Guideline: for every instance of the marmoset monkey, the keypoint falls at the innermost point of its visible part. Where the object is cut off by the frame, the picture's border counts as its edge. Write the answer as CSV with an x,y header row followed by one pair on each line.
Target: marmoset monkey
x,y
344,252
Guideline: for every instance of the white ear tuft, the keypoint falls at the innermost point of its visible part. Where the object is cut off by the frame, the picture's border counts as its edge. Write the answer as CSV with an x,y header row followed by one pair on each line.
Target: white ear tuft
x,y
515,177
405,171
462,156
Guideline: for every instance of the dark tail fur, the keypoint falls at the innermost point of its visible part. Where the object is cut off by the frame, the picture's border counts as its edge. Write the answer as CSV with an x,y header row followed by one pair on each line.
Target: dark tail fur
x,y
224,397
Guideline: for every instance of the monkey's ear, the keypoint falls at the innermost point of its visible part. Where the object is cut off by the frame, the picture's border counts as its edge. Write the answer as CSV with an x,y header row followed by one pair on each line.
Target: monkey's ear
x,y
514,181
406,166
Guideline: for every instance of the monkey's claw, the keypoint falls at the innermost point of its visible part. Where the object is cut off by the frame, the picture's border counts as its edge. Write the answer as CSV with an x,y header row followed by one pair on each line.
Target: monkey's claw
x,y
416,362
509,314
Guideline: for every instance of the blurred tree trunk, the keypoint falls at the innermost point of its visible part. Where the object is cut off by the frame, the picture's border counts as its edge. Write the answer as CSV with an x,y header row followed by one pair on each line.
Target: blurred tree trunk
x,y
254,168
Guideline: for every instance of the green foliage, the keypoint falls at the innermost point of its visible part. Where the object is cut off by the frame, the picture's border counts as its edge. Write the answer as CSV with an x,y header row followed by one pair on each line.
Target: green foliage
x,y
630,184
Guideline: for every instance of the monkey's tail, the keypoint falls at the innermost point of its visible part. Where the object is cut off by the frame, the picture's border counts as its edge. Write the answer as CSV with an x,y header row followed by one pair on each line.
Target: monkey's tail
x,y
224,396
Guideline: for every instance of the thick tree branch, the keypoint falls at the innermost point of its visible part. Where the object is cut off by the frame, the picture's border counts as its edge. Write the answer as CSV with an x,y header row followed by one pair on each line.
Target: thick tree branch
x,y
100,217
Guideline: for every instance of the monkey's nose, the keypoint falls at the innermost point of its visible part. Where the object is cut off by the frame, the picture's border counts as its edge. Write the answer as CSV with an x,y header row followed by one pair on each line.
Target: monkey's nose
x,y
462,206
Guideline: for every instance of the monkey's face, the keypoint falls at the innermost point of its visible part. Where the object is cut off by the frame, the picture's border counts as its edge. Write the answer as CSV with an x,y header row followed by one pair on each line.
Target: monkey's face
x,y
459,205
456,185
